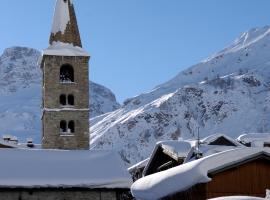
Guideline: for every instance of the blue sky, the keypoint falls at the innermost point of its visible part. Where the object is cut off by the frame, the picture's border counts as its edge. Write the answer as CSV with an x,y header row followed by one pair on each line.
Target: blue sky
x,y
137,44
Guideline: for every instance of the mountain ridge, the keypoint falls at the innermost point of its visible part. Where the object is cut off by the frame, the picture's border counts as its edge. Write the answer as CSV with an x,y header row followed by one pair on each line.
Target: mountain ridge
x,y
20,89
227,92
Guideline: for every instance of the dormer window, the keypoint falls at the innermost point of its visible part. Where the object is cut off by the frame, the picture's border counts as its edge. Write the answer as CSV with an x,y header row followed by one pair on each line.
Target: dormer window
x,y
66,74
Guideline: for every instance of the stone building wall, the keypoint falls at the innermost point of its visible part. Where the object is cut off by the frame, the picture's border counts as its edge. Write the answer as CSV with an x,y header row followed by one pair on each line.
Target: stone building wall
x,y
54,113
53,88
57,195
53,139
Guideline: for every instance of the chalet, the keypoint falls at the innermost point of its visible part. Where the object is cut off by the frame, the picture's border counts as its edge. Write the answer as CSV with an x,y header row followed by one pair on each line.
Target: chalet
x,y
255,139
220,139
59,174
241,171
169,154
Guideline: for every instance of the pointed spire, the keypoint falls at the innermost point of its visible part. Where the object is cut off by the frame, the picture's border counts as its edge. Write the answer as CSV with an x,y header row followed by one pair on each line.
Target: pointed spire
x,y
65,28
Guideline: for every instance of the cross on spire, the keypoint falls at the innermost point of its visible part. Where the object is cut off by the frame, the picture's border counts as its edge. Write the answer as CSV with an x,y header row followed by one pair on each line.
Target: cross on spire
x,y
65,28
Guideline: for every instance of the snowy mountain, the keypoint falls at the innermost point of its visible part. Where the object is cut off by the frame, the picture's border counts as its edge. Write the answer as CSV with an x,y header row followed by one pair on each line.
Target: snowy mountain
x,y
102,100
229,92
20,90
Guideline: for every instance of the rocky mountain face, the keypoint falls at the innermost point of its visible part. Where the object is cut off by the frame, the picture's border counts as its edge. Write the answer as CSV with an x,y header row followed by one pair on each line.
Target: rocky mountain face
x,y
227,93
20,94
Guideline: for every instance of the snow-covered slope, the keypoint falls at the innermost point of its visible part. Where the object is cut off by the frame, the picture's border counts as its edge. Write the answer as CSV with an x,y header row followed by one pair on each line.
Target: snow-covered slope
x,y
102,100
20,94
228,92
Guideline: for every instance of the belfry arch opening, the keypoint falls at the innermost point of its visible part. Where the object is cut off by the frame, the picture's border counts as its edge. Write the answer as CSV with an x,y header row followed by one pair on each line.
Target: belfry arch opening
x,y
63,100
71,100
71,127
63,126
66,74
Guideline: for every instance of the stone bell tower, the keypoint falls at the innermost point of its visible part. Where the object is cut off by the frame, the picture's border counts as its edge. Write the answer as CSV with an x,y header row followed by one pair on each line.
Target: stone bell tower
x,y
65,120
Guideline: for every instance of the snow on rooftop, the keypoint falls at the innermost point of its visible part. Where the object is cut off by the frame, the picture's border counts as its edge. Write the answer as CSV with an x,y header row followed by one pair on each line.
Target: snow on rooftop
x,y
256,139
64,49
139,165
55,168
176,148
214,137
238,198
180,148
61,16
164,183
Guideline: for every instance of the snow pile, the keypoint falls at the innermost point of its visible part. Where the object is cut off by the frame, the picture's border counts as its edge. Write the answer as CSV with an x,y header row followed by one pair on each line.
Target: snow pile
x,y
227,93
61,17
64,49
238,198
52,168
164,183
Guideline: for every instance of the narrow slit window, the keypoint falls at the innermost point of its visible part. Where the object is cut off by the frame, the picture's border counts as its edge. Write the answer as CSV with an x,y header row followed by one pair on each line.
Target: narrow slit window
x,y
71,100
71,127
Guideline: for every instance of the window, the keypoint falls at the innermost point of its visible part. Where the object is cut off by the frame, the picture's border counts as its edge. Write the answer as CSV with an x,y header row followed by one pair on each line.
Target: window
x,y
71,100
63,126
71,127
66,74
67,128
63,100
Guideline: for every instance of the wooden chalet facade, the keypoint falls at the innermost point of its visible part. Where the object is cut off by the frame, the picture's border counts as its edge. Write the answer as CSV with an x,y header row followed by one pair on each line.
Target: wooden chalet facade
x,y
236,172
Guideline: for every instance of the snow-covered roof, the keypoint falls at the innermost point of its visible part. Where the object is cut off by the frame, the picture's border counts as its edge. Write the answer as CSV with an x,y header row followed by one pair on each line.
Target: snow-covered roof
x,y
139,165
256,139
214,137
61,16
64,49
238,198
180,148
56,168
208,150
12,144
177,149
182,177
9,144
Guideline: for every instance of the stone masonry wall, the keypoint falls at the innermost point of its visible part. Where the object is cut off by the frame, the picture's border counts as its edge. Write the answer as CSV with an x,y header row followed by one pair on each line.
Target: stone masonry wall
x,y
53,112
57,195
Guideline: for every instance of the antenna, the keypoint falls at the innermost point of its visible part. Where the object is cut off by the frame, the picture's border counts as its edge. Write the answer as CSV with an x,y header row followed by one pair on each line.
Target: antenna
x,y
198,152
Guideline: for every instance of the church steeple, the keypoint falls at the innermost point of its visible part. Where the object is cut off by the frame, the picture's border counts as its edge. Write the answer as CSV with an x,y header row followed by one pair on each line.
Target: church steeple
x,y
65,66
65,28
